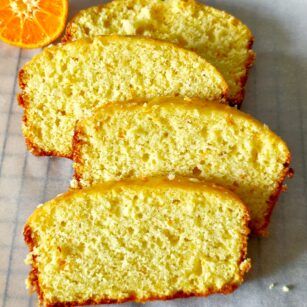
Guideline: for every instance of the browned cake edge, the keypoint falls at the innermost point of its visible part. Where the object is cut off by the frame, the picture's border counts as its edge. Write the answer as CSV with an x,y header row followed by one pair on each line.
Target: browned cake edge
x,y
23,102
232,101
68,37
238,99
33,278
78,162
262,229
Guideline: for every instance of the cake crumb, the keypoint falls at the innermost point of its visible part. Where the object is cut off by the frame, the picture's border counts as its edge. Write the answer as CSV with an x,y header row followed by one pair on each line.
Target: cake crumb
x,y
194,180
74,183
271,286
285,289
171,176
29,259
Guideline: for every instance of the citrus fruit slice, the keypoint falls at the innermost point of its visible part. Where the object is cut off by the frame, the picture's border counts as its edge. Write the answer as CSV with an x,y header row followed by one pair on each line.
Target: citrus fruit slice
x,y
32,23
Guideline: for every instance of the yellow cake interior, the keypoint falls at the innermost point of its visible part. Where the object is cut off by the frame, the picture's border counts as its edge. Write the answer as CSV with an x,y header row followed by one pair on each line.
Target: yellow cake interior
x,y
186,137
64,83
215,35
139,240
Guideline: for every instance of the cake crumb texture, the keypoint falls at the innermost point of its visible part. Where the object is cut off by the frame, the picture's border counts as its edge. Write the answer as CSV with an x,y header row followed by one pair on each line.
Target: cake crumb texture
x,y
190,138
66,82
215,35
137,240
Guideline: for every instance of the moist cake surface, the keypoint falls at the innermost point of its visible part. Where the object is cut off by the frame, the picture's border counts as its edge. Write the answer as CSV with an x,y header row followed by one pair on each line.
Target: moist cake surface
x,y
137,240
64,83
186,137
218,37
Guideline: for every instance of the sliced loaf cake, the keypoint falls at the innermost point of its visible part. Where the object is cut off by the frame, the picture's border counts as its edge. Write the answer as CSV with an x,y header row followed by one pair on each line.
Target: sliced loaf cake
x,y
137,241
189,137
66,82
215,35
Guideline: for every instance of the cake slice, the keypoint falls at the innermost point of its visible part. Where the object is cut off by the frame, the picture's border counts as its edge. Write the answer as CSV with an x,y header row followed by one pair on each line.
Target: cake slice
x,y
66,82
215,35
137,241
188,137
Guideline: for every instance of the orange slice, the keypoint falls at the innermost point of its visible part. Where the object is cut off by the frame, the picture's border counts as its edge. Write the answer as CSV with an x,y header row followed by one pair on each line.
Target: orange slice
x,y
32,23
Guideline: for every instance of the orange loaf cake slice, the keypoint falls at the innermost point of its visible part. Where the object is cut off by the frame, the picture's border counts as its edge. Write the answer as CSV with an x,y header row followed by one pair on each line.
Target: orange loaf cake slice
x,y
137,241
188,137
218,37
66,82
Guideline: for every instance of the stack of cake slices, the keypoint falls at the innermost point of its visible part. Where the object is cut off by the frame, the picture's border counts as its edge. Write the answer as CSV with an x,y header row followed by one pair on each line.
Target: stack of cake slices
x,y
170,176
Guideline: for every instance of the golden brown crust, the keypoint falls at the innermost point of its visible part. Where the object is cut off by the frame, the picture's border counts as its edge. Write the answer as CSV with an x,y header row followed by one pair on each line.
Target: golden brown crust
x,y
225,290
238,99
37,151
243,264
67,35
31,146
76,156
262,230
33,275
21,82
23,102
